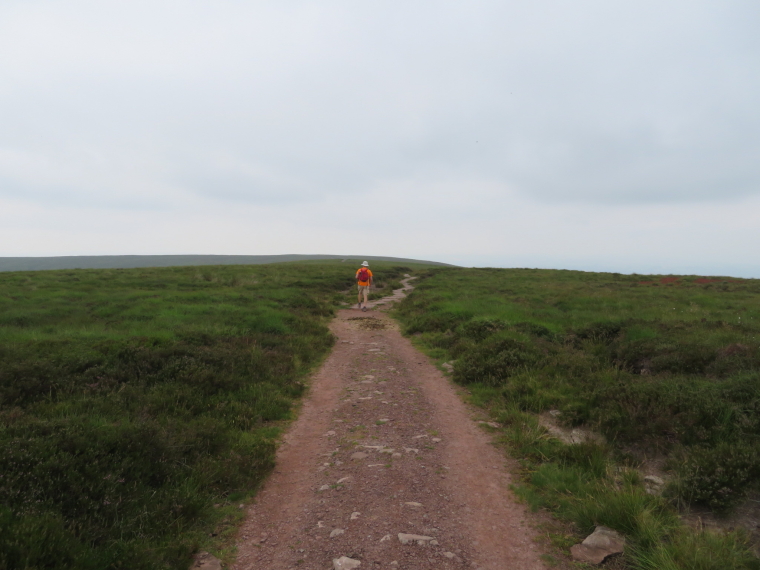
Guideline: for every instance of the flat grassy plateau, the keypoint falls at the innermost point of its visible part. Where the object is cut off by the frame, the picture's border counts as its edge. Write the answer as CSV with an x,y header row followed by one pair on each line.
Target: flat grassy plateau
x,y
139,407
662,367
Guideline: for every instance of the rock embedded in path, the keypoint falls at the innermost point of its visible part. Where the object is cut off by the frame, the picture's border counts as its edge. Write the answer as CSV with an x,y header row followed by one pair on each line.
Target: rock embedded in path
x,y
418,538
359,455
337,532
345,563
599,545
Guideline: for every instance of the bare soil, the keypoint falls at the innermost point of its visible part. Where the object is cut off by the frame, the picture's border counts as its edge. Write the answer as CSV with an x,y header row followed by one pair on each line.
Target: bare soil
x,y
383,445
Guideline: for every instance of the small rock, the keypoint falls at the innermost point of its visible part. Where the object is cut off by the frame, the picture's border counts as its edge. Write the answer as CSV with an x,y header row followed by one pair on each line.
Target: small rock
x,y
434,542
388,450
330,433
344,479
359,455
600,544
407,538
413,504
337,532
396,455
355,515
345,563
419,436
383,420
320,524
436,440
386,537
555,413
206,561
324,487
449,554
394,563
654,485
448,366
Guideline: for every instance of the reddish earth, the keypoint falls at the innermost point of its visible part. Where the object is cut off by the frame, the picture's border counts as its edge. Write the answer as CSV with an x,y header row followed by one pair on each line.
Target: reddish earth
x,y
383,445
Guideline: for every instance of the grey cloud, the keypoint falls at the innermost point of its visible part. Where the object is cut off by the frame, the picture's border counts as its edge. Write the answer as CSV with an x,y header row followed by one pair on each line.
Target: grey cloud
x,y
582,101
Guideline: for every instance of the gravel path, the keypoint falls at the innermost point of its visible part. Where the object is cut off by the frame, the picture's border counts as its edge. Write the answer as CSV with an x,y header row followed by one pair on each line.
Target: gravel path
x,y
385,467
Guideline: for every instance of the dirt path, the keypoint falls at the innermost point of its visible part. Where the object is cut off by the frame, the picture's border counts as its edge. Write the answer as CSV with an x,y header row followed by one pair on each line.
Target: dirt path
x,y
384,447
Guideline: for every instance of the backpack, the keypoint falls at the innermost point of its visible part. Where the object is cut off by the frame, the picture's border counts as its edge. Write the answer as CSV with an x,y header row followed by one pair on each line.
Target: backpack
x,y
364,275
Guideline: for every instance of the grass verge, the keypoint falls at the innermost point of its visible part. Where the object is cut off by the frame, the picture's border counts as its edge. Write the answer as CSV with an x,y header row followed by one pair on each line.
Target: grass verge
x,y
666,366
139,407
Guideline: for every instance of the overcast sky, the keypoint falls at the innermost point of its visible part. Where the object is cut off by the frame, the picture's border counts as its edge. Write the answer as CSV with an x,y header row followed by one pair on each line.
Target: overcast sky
x,y
589,134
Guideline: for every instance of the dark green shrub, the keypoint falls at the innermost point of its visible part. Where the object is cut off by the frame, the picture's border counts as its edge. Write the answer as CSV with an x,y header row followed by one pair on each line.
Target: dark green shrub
x,y
535,329
600,332
493,361
720,476
479,329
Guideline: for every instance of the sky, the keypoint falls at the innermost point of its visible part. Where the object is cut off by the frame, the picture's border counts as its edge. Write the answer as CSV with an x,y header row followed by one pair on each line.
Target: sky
x,y
595,135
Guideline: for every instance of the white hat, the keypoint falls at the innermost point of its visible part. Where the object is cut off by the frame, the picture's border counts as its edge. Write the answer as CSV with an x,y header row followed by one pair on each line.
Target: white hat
x,y
365,264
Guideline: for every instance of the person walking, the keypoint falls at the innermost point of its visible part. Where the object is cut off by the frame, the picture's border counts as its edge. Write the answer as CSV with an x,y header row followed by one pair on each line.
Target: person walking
x,y
364,278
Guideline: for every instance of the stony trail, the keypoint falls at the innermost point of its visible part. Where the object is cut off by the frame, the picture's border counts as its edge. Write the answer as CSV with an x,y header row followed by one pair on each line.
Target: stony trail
x,y
385,467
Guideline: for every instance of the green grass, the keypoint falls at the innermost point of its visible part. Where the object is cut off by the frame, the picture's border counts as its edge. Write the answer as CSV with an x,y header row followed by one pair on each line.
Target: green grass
x,y
138,407
666,365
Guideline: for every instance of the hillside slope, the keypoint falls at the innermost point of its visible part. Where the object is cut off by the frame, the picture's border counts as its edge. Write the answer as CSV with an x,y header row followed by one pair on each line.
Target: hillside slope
x,y
136,261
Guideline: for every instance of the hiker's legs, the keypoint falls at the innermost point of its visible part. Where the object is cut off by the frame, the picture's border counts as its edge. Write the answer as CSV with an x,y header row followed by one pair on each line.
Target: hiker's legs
x,y
363,293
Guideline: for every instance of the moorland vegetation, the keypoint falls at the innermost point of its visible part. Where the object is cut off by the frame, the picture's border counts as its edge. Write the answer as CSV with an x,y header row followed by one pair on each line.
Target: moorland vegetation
x,y
139,407
663,367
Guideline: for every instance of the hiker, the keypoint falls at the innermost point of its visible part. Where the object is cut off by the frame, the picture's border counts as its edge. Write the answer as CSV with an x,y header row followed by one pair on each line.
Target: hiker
x,y
364,277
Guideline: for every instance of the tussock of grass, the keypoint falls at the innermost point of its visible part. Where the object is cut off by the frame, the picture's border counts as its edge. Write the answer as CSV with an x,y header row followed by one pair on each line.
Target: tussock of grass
x,y
673,365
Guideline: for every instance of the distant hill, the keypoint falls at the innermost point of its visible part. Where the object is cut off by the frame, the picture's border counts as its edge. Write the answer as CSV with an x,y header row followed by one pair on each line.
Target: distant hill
x,y
131,261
